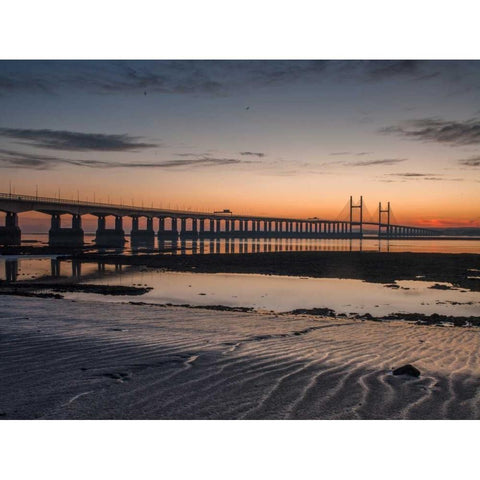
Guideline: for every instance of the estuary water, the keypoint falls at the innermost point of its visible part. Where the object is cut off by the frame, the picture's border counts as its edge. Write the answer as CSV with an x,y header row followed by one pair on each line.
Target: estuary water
x,y
185,247
260,292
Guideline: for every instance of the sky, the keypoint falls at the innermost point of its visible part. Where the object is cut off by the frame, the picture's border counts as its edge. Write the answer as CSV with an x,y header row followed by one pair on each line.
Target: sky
x,y
293,138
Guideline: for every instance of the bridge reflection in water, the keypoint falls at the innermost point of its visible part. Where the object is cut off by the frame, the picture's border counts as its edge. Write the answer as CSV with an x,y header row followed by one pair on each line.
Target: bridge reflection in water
x,y
76,269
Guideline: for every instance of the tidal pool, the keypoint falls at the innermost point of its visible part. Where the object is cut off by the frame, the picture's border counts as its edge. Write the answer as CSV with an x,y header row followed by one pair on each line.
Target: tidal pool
x,y
281,293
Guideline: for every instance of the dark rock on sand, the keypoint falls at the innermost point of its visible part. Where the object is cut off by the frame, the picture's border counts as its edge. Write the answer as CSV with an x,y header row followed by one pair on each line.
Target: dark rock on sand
x,y
407,370
438,286
323,312
36,289
434,319
368,316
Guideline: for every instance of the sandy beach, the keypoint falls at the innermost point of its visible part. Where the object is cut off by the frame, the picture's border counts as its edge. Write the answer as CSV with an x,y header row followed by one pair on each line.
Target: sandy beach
x,y
78,360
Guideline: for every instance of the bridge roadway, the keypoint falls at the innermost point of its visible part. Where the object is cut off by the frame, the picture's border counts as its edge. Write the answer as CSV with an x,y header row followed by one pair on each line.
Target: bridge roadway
x,y
193,224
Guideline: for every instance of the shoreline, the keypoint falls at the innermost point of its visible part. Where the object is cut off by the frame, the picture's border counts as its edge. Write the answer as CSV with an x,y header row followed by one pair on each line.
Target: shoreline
x,y
54,291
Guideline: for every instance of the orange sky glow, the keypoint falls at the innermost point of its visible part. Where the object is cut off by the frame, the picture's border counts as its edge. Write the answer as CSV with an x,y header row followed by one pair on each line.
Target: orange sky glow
x,y
273,138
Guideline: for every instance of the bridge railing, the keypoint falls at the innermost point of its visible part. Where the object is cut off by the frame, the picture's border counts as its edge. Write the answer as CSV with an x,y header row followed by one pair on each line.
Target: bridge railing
x,y
129,208
86,203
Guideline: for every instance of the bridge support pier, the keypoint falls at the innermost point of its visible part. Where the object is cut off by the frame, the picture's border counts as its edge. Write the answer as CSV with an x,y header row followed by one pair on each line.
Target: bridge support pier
x,y
110,237
144,237
68,237
10,234
184,232
163,233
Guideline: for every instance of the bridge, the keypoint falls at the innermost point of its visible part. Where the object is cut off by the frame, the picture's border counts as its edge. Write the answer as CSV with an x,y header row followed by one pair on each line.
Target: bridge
x,y
172,224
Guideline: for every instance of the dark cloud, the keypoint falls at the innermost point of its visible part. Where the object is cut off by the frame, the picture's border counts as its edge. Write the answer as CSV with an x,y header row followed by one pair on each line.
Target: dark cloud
x,y
384,161
253,154
11,159
419,176
191,155
470,162
75,141
358,154
14,159
438,130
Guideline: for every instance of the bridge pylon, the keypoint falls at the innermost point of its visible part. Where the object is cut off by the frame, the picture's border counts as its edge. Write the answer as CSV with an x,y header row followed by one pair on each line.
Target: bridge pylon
x,y
359,206
385,226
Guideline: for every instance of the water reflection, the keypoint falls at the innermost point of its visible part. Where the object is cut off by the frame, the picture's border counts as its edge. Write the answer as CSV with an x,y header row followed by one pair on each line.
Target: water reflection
x,y
259,291
28,269
55,268
259,245
11,270
207,245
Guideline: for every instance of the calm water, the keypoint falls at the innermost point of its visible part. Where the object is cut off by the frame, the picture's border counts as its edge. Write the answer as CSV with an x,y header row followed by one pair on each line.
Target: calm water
x,y
262,292
275,245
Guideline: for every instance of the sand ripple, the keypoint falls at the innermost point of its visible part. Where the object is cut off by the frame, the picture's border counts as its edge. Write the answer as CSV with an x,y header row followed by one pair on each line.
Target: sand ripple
x,y
77,360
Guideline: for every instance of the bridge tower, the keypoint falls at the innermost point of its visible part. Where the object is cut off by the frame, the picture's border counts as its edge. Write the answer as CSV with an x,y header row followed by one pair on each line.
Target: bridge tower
x,y
385,226
359,206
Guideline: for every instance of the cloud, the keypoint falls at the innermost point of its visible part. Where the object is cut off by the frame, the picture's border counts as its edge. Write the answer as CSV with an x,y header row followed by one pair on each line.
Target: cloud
x,y
253,154
75,141
384,161
358,154
438,130
14,159
11,159
404,176
418,176
190,154
470,162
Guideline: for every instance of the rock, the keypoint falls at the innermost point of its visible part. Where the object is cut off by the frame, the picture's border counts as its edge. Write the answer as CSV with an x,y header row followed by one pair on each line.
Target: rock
x,y
324,312
407,370
439,286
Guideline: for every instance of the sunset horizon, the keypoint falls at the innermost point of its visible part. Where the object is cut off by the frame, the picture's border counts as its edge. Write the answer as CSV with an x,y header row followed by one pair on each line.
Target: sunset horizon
x,y
278,138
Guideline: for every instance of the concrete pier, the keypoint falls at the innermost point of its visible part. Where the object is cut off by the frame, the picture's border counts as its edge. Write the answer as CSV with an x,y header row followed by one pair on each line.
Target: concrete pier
x,y
110,237
167,234
142,237
10,234
68,237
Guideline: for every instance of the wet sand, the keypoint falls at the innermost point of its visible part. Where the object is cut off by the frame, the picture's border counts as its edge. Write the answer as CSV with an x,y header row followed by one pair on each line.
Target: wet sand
x,y
77,360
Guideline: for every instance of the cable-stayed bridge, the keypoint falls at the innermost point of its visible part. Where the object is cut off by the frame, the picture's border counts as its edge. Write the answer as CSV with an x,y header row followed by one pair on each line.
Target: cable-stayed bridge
x,y
354,221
